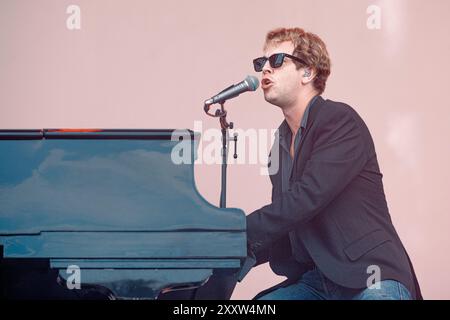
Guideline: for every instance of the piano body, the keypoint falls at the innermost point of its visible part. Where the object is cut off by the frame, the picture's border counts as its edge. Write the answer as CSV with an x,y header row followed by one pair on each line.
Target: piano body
x,y
113,204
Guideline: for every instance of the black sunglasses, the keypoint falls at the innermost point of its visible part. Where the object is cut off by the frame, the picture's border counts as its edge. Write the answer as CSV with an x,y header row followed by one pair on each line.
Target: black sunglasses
x,y
275,61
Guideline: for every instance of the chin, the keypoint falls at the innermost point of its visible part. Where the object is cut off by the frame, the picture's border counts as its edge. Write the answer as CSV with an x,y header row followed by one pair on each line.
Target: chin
x,y
272,99
269,97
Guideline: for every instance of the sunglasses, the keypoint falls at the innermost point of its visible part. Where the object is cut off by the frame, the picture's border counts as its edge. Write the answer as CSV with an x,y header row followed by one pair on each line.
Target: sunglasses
x,y
275,61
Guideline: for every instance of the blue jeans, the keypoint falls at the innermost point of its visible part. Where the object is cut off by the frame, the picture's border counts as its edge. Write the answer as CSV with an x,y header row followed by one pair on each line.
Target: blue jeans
x,y
313,285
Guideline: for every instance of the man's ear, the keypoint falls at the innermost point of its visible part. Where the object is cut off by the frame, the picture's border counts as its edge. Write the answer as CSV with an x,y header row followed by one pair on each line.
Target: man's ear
x,y
308,75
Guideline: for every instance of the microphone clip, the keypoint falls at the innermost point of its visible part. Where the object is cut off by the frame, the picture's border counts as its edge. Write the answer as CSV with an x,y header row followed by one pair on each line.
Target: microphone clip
x,y
219,113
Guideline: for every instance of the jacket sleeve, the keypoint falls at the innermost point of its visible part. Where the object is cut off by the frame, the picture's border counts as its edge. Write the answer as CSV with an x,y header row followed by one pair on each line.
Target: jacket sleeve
x,y
338,156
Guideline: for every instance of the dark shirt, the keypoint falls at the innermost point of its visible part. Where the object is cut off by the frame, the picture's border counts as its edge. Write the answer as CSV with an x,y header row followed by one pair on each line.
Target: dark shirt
x,y
299,251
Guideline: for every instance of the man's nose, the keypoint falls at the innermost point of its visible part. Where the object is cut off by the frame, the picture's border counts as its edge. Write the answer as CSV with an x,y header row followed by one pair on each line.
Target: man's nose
x,y
267,68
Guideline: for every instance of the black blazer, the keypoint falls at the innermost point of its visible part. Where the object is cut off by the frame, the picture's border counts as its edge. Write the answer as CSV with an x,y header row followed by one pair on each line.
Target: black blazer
x,y
336,206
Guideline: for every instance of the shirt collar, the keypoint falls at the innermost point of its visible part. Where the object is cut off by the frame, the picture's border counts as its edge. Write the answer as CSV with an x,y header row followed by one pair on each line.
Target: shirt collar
x,y
284,127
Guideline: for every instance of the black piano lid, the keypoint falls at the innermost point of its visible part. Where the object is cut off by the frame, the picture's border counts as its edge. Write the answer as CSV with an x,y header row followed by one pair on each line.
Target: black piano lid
x,y
110,180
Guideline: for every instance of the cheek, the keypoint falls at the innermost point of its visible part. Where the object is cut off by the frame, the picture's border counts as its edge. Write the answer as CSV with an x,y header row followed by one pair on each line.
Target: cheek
x,y
291,83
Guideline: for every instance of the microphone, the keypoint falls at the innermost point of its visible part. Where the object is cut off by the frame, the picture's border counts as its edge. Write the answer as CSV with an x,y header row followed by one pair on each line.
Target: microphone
x,y
250,83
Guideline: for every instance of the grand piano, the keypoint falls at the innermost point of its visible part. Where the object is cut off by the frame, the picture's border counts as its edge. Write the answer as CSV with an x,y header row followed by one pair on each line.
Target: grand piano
x,y
114,208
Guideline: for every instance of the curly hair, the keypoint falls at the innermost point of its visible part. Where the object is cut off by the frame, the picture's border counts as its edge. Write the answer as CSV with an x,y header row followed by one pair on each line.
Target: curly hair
x,y
308,47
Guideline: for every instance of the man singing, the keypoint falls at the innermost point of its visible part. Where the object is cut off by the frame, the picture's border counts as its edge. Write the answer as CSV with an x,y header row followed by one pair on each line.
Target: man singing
x,y
328,228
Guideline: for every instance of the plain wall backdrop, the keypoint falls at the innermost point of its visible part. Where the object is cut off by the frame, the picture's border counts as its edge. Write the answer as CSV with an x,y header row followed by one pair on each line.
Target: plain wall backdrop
x,y
151,64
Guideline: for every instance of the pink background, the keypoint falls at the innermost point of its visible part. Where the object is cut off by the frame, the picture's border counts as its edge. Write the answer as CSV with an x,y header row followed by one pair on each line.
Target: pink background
x,y
151,64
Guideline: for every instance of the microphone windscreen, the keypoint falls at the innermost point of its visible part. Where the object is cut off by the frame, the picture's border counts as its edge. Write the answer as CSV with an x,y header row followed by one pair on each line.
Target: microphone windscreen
x,y
253,82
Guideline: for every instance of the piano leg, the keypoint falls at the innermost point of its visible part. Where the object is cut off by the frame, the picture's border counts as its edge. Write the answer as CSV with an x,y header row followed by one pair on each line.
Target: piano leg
x,y
219,286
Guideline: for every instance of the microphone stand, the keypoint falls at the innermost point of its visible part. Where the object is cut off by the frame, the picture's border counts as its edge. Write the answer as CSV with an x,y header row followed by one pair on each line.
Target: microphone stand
x,y
224,126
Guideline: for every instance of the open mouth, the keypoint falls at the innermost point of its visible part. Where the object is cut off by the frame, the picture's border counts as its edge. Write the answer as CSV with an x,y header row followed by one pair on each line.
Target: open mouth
x,y
265,83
